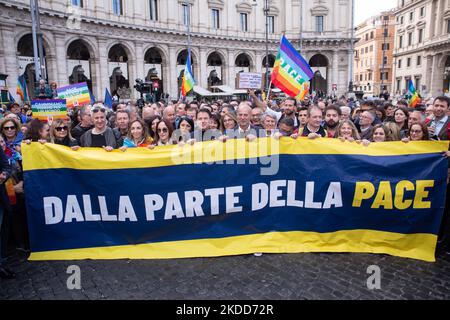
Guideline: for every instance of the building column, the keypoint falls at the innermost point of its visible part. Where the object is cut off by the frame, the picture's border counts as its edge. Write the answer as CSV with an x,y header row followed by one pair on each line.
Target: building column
x,y
132,71
138,47
231,71
97,89
436,77
428,70
203,68
259,62
11,64
350,73
173,88
61,63
103,81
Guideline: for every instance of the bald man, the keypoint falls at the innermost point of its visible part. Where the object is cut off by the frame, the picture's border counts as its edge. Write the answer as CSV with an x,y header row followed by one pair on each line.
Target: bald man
x,y
244,127
169,114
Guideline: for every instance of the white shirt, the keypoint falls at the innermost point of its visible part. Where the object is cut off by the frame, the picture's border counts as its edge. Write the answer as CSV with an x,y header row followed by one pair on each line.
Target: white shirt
x,y
439,124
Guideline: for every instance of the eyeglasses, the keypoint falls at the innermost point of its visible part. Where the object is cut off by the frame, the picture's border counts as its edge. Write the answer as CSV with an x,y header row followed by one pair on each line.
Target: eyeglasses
x,y
164,130
102,110
9,128
59,129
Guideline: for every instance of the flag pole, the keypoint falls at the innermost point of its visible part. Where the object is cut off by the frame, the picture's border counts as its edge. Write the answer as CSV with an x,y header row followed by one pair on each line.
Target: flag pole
x,y
270,84
270,88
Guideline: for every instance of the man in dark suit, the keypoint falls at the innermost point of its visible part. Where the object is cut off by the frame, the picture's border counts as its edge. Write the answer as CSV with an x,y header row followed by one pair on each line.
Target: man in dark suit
x,y
244,128
438,127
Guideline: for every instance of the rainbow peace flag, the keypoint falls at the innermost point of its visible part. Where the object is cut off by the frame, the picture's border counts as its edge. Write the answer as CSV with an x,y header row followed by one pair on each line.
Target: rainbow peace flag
x,y
188,77
305,90
414,98
291,71
21,88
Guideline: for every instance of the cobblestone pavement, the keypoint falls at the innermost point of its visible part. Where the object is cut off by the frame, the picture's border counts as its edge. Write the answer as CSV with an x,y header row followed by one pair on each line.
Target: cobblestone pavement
x,y
271,276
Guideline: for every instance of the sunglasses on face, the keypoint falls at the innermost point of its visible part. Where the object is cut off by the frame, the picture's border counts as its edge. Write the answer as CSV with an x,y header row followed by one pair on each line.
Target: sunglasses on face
x,y
165,130
59,129
9,128
102,110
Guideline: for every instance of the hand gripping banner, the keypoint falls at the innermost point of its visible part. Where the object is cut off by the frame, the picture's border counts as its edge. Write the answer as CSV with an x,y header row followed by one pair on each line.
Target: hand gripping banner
x,y
238,197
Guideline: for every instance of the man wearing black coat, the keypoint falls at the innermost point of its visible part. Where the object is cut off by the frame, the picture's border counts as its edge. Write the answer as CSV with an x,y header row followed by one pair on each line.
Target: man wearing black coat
x,y
5,173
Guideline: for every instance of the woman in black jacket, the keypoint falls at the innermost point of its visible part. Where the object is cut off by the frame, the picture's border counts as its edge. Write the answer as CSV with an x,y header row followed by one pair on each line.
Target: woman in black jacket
x,y
60,134
5,173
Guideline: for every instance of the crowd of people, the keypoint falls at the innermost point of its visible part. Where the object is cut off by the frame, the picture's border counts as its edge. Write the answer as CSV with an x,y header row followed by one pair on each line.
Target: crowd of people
x,y
178,123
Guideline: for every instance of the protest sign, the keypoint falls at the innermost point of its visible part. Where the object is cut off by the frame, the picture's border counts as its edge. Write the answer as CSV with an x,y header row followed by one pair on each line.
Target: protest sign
x,y
49,109
76,95
249,80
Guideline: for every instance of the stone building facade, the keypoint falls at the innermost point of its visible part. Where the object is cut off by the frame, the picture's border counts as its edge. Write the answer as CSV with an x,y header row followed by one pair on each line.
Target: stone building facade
x,y
110,43
422,46
372,70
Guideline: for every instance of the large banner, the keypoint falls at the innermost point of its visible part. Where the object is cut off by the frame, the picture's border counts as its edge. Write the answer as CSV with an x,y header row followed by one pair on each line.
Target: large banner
x,y
76,95
238,197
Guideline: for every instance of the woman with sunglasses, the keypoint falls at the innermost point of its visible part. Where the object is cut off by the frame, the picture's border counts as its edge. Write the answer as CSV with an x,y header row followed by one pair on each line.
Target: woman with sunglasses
x,y
60,134
137,136
101,136
164,132
12,135
151,124
37,132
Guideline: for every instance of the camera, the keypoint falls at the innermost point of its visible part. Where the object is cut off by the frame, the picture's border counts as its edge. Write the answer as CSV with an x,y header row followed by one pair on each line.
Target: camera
x,y
143,86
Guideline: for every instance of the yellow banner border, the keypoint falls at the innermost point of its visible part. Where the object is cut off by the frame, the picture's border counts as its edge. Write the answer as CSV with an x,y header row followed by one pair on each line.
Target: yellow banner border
x,y
415,246
41,157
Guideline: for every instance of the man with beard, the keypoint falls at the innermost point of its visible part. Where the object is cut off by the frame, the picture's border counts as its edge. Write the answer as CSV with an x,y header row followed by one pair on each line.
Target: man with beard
x,y
439,127
332,116
288,108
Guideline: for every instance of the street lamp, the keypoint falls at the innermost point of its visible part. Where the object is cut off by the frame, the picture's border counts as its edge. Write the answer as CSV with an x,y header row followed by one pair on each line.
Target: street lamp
x,y
385,34
350,84
266,15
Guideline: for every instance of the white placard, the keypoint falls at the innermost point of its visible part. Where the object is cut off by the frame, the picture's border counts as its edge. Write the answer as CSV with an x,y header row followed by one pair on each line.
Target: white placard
x,y
249,80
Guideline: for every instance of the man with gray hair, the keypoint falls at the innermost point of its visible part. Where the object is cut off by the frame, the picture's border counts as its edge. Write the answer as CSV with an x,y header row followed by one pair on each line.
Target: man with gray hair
x,y
169,114
85,124
365,125
345,113
147,112
415,117
244,128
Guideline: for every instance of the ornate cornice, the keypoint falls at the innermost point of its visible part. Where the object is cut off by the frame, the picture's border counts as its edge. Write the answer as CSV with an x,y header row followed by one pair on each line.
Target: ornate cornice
x,y
104,29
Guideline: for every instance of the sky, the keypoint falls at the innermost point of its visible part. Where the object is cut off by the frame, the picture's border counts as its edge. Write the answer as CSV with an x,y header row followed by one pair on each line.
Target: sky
x,y
365,9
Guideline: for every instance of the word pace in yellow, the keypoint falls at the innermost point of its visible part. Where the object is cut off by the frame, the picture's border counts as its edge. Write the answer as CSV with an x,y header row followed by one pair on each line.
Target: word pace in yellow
x,y
390,195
